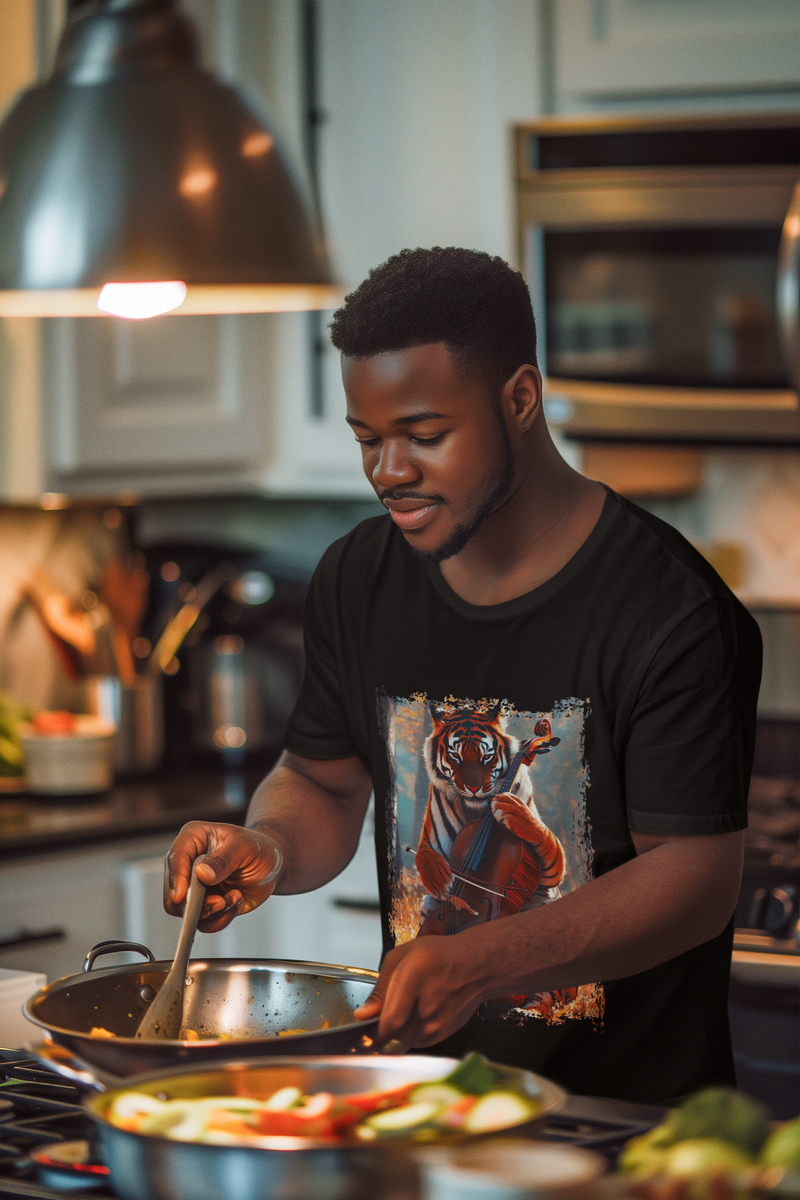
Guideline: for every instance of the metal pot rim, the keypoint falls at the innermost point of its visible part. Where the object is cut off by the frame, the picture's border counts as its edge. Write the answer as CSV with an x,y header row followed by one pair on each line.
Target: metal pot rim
x,y
289,966
552,1096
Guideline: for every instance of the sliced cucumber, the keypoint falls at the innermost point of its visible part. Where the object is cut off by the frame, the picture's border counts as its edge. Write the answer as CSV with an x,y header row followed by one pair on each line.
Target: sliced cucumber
x,y
395,1122
285,1097
498,1110
436,1093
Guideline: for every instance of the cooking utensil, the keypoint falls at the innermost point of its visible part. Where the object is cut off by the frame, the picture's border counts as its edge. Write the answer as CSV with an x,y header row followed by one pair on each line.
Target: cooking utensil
x,y
138,713
157,1167
125,592
70,630
176,629
248,1001
164,1017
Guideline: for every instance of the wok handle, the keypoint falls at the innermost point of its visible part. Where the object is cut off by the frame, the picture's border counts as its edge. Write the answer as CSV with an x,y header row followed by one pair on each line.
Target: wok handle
x,y
67,1064
113,947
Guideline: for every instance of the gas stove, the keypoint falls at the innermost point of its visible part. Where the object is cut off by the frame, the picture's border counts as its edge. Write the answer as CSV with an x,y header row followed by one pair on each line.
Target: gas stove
x,y
46,1137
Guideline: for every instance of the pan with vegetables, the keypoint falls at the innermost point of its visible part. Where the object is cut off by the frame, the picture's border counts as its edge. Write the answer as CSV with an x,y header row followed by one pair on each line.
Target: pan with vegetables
x,y
323,1127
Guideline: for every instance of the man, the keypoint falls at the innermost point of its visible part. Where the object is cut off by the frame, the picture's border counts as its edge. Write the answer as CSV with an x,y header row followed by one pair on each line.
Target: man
x,y
553,696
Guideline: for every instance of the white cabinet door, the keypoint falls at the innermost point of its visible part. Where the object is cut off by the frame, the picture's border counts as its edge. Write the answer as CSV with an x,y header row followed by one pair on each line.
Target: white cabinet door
x,y
78,895
618,49
129,400
338,923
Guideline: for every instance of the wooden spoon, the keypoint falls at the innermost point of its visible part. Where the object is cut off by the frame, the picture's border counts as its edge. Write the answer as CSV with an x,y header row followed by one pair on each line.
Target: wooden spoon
x,y
164,1017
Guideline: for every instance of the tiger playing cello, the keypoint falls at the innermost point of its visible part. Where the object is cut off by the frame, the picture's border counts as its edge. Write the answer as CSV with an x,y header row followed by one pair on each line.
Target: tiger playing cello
x,y
484,852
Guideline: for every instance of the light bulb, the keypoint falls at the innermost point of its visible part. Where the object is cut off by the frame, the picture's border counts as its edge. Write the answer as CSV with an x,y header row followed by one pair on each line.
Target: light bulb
x,y
139,300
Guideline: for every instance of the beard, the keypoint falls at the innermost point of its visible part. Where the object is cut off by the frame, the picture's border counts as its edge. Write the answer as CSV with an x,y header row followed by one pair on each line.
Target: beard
x,y
496,490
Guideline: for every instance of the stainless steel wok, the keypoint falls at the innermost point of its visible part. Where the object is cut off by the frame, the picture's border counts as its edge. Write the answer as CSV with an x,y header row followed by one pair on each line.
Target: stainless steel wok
x,y
296,1168
246,1002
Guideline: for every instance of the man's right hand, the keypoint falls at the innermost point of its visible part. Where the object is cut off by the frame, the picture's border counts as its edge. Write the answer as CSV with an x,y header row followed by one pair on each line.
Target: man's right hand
x,y
240,873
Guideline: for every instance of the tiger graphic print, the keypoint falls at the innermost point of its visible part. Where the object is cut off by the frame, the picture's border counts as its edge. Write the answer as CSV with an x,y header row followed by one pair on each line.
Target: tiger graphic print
x,y
459,766
467,756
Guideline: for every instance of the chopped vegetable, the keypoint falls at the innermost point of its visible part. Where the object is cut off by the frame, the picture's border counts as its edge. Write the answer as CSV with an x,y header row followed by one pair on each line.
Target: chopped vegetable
x,y
700,1157
99,1031
12,715
439,1093
284,1098
783,1147
55,723
708,1149
498,1110
721,1112
395,1121
473,1075
291,1032
419,1111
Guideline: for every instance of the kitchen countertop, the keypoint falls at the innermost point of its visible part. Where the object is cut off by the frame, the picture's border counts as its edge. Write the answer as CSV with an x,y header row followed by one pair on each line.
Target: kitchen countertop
x,y
30,824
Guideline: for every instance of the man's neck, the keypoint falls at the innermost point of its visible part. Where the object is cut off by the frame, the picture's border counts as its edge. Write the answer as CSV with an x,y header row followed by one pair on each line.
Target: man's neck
x,y
531,537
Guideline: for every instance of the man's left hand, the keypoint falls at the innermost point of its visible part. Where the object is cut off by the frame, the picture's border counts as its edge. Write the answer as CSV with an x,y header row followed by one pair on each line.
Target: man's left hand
x,y
426,990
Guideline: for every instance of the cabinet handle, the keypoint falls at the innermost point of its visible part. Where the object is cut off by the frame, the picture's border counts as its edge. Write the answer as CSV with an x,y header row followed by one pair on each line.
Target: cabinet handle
x,y
357,905
17,939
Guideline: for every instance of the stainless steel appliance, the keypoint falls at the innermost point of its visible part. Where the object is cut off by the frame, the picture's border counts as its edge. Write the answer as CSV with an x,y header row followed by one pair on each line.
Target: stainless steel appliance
x,y
764,1004
663,262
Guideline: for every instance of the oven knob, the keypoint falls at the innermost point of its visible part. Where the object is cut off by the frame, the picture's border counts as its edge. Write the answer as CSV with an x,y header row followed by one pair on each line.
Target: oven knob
x,y
778,911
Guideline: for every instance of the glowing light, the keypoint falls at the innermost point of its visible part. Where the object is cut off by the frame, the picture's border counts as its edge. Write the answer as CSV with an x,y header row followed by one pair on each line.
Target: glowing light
x,y
139,300
197,182
257,143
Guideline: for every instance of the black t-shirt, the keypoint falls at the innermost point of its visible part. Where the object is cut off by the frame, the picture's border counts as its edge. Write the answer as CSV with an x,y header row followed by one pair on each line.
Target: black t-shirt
x,y
630,680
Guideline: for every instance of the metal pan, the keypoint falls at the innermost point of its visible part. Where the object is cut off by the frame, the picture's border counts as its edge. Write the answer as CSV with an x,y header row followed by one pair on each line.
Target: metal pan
x,y
245,1002
294,1168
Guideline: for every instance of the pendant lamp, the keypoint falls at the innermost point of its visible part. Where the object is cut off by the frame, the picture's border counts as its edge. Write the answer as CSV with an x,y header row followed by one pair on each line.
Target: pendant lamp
x,y
134,182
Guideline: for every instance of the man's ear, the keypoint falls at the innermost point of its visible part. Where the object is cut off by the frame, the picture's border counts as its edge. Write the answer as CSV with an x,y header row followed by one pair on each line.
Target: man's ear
x,y
522,396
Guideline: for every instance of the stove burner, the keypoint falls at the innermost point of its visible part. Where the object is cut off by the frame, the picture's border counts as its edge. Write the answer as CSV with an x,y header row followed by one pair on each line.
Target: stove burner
x,y
39,1111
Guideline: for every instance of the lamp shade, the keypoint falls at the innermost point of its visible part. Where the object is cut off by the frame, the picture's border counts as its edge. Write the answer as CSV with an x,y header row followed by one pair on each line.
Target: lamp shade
x,y
132,164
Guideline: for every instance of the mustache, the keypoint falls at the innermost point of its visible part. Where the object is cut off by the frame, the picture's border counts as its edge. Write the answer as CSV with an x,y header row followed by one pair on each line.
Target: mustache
x,y
395,494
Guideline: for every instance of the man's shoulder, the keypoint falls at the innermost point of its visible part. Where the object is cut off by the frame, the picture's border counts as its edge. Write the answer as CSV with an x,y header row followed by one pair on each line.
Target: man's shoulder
x,y
652,553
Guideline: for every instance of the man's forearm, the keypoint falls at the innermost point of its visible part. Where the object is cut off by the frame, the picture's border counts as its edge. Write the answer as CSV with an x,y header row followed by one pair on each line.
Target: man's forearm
x,y
671,897
315,827
656,906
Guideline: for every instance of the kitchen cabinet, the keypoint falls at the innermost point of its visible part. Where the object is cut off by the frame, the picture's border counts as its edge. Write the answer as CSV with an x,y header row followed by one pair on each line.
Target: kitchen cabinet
x,y
713,53
182,404
77,895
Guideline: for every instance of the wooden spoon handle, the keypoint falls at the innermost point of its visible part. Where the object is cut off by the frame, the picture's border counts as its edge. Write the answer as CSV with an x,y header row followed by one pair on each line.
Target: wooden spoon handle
x,y
164,1017
191,915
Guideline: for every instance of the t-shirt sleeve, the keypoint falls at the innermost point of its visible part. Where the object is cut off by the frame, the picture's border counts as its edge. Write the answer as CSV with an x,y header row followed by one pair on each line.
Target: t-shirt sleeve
x,y
689,748
318,727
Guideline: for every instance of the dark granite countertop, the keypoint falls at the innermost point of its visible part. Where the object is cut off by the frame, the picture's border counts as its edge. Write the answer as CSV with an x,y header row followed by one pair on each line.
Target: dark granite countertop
x,y
133,808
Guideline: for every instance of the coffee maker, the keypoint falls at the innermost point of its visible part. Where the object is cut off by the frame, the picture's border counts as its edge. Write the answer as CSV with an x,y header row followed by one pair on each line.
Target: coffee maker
x,y
232,683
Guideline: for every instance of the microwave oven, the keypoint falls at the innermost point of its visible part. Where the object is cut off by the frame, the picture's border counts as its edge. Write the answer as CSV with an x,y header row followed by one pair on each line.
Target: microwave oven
x,y
662,258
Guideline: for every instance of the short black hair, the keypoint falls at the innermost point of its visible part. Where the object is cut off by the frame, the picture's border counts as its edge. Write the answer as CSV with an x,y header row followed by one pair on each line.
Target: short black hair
x,y
475,303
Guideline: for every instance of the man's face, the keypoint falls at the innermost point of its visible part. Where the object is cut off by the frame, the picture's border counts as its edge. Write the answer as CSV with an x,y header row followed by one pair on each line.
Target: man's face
x,y
433,447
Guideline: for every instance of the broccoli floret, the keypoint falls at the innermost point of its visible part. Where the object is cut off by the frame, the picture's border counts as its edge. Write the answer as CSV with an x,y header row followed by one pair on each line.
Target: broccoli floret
x,y
783,1147
721,1113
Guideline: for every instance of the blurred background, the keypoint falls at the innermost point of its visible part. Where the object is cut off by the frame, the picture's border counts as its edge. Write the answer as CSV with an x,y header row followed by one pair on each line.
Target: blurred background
x,y
168,486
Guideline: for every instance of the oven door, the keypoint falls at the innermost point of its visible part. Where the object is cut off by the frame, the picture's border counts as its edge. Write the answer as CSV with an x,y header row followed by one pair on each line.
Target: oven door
x,y
655,297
